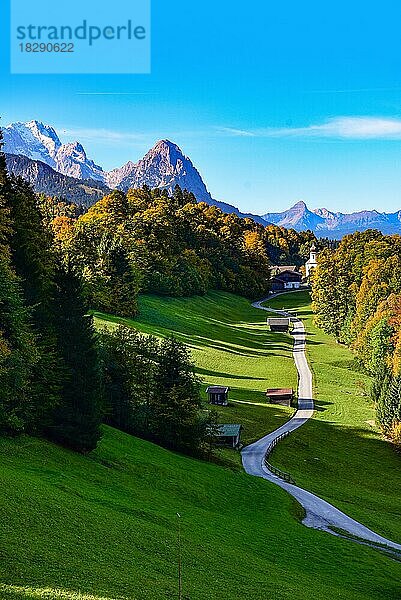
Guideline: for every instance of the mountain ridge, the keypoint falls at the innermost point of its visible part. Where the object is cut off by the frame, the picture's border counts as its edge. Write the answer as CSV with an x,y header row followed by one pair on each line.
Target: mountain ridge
x,y
326,223
46,180
164,166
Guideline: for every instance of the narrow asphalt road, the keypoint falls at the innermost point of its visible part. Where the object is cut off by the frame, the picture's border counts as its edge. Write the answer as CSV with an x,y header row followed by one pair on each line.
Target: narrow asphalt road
x,y
319,514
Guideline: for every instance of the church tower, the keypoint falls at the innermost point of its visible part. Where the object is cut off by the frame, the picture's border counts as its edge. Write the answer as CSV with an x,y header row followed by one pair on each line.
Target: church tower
x,y
312,262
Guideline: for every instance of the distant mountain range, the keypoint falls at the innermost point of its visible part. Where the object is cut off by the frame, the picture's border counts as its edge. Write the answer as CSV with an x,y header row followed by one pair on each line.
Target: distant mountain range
x,y
35,152
334,225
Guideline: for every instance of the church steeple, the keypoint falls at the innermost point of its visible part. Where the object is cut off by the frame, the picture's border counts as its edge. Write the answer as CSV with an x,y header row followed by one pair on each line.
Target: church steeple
x,y
312,262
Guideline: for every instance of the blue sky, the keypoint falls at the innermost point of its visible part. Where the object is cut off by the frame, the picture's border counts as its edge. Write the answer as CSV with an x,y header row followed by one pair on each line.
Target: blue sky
x,y
274,102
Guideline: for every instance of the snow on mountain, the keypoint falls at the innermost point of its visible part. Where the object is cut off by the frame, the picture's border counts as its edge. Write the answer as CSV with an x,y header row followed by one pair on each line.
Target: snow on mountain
x,y
164,167
71,160
32,139
46,135
41,142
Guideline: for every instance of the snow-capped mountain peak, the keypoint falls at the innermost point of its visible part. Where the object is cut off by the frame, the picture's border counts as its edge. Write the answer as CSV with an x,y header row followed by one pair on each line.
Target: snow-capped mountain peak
x,y
38,141
164,166
45,134
33,139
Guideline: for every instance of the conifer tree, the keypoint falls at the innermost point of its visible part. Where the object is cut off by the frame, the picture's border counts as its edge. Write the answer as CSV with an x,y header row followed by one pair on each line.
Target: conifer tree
x,y
128,359
17,345
18,355
76,419
389,403
176,421
5,217
34,263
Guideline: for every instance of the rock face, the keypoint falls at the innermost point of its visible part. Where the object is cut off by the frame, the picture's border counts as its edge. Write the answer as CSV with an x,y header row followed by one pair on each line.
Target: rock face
x,y
298,217
116,176
71,160
164,166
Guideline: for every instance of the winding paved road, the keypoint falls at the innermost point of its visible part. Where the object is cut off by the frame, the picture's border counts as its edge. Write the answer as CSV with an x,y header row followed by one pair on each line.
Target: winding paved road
x,y
319,514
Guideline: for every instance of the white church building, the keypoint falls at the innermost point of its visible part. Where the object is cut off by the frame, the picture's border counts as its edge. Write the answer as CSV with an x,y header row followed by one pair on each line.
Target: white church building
x,y
312,262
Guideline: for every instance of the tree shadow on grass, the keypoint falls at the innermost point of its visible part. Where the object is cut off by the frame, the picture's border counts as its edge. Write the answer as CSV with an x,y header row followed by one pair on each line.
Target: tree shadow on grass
x,y
321,405
208,372
350,365
264,350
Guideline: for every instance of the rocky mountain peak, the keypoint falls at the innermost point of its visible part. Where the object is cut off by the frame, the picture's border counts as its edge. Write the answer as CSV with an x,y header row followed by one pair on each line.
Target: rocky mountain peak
x,y
38,141
43,132
165,153
300,205
164,166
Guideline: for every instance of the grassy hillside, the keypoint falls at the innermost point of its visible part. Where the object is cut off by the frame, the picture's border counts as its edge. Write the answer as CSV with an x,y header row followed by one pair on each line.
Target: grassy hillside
x,y
104,526
231,345
340,454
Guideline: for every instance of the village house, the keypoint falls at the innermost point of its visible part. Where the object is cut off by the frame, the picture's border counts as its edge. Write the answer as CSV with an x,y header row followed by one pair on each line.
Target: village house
x,y
285,278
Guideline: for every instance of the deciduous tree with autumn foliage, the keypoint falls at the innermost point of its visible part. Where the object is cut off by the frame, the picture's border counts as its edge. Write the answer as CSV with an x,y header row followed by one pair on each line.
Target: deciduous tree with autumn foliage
x,y
356,292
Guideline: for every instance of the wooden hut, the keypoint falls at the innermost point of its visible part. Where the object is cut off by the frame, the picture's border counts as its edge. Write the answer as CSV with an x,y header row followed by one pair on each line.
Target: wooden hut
x,y
279,324
229,435
218,395
281,396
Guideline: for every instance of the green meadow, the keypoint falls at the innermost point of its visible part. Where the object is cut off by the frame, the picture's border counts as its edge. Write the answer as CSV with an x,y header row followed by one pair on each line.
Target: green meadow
x,y
103,526
231,345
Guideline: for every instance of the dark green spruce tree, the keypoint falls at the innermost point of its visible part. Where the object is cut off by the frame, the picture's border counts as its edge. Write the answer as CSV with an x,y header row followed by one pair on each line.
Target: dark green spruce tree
x,y
128,360
18,352
18,356
76,419
176,421
34,263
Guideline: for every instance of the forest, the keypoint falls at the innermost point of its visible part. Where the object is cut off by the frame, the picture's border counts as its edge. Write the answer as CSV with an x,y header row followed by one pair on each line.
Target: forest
x,y
147,241
356,291
58,378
